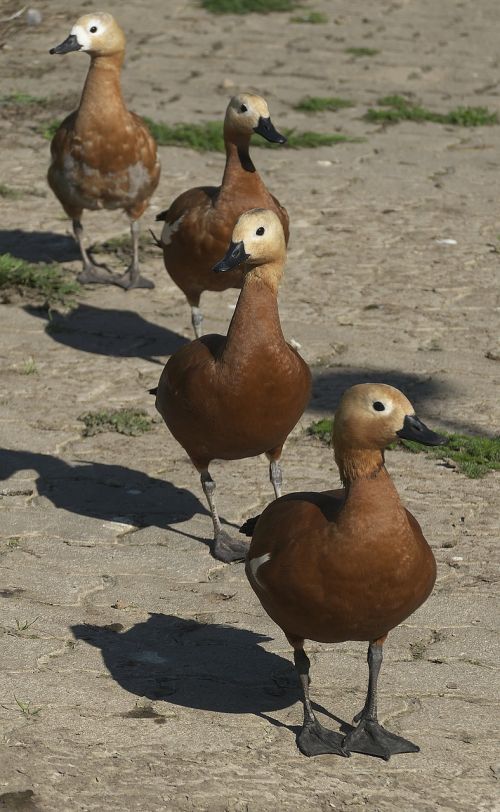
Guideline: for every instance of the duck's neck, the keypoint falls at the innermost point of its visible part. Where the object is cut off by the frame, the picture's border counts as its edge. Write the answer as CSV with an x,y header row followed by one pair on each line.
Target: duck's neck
x,y
358,465
102,98
239,170
255,325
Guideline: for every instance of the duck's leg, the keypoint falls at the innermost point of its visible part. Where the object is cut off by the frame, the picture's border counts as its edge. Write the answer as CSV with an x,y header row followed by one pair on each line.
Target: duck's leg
x,y
369,736
132,277
92,271
225,548
313,739
275,472
196,315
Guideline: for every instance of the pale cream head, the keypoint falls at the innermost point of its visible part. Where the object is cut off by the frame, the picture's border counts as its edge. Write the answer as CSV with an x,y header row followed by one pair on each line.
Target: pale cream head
x,y
99,34
369,416
244,112
262,235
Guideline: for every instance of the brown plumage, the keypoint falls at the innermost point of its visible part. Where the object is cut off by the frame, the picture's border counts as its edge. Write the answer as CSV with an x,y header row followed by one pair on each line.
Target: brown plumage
x,y
241,395
199,223
103,156
349,564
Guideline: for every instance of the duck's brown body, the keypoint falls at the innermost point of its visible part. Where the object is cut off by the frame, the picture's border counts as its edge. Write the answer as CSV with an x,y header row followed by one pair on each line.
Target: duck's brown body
x,y
201,222
236,396
103,156
343,565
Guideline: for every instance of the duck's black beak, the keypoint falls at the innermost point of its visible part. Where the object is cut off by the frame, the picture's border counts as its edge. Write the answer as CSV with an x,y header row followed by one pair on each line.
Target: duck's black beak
x,y
234,256
70,44
266,128
414,429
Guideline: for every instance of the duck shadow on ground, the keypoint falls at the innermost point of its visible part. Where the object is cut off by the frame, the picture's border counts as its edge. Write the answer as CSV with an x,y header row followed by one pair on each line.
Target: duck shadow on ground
x,y
38,246
106,491
104,331
206,666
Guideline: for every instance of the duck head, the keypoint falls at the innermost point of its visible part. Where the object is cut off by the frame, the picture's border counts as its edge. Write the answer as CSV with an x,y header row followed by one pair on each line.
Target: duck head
x,y
258,240
370,417
97,34
247,114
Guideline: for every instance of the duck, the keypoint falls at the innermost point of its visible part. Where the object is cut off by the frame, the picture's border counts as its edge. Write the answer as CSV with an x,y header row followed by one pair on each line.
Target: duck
x,y
199,223
102,155
347,564
240,395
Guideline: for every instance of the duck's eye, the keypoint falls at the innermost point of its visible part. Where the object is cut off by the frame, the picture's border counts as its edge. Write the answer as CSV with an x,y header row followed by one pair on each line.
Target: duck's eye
x,y
260,231
378,406
243,108
93,29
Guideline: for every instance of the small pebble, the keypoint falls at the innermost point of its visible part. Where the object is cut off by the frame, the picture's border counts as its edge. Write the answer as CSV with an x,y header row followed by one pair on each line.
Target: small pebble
x,y
33,16
295,344
446,242
452,685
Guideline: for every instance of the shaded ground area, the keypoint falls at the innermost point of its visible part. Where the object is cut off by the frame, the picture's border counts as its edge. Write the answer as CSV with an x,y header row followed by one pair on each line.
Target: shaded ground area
x,y
137,673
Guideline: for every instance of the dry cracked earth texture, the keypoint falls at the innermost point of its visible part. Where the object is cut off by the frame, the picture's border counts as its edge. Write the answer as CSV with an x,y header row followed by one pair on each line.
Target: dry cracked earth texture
x,y
138,673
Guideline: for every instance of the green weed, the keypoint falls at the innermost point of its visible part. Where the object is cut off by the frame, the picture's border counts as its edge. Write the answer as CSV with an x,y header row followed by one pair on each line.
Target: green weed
x,y
398,108
131,422
47,281
313,17
318,104
473,456
9,192
26,709
359,52
29,367
21,626
248,6
20,98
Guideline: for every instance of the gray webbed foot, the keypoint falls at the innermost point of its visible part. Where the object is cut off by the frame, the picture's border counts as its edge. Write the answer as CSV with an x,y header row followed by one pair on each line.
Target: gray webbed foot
x,y
228,549
133,279
370,738
316,740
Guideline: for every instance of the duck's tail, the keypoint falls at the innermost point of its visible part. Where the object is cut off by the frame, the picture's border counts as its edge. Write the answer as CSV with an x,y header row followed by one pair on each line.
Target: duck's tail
x,y
153,391
249,526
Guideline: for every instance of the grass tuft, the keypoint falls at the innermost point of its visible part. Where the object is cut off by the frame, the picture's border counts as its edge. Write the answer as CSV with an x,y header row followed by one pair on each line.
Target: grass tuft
x,y
208,137
131,422
9,192
26,709
358,52
29,367
48,281
21,99
318,104
48,130
248,6
473,456
312,17
398,108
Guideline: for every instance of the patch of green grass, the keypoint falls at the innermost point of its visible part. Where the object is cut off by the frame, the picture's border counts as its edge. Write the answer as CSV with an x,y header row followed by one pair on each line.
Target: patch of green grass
x,y
9,192
26,709
248,6
318,104
398,108
21,98
208,137
48,130
358,52
474,456
131,422
313,17
47,281
322,429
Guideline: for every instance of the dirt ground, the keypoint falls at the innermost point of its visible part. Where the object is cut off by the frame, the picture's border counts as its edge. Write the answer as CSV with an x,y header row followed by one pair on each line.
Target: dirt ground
x,y
138,673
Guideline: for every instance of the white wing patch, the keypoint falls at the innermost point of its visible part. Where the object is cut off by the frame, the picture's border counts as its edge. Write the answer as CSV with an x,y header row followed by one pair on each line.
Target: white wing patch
x,y
169,230
256,563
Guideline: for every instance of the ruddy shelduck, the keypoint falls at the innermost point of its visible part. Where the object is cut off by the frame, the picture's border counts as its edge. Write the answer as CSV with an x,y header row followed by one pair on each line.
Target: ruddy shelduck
x,y
240,395
103,156
347,564
199,223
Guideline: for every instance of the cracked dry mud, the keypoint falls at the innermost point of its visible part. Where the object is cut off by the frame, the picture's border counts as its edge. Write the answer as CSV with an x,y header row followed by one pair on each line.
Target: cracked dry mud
x,y
137,673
